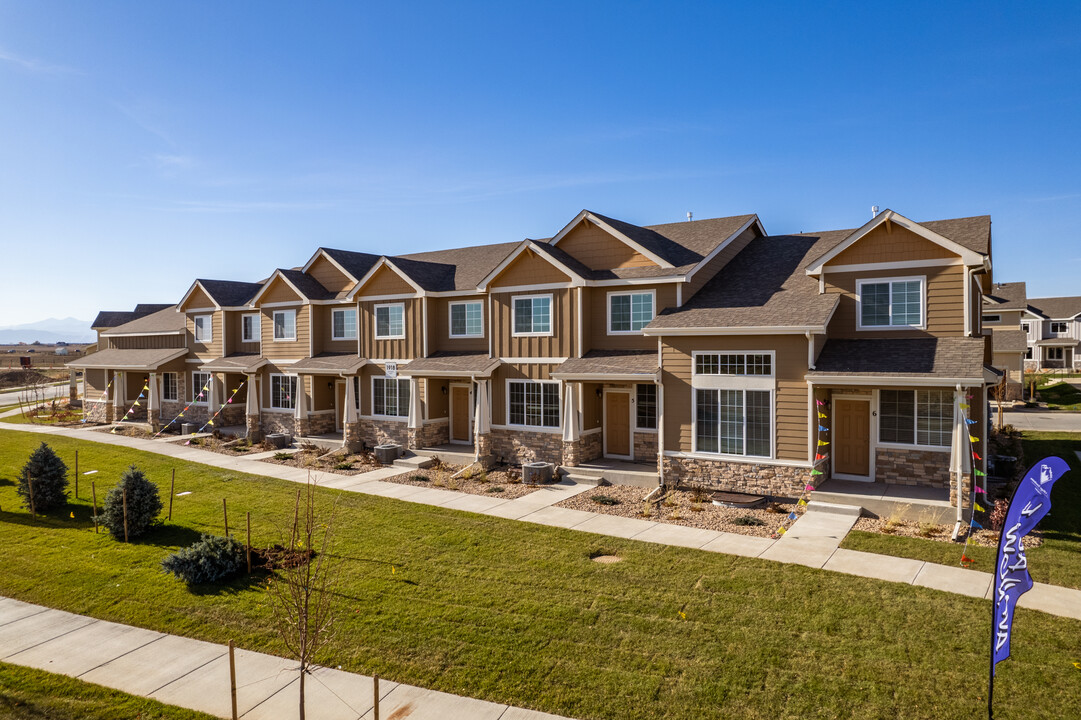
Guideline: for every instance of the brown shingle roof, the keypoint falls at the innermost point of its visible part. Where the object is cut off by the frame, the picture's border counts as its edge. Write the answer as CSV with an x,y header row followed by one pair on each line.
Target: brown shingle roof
x,y
1008,341
445,363
328,364
455,269
948,357
1006,296
610,362
113,318
116,359
763,286
237,362
1057,308
163,321
229,293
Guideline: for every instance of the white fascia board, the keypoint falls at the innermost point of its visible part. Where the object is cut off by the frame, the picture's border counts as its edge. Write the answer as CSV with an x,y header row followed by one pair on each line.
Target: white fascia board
x,y
576,279
144,334
969,257
724,244
606,377
765,330
384,262
617,282
892,381
321,252
304,300
627,241
187,295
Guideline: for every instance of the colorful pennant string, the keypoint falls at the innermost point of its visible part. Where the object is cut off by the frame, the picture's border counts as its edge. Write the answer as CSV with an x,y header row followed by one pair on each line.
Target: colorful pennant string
x,y
131,410
973,525
210,422
819,457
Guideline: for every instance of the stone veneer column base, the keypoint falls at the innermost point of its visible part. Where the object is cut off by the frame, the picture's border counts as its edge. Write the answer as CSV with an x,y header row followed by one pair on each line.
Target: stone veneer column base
x,y
254,428
351,434
923,468
303,427
775,480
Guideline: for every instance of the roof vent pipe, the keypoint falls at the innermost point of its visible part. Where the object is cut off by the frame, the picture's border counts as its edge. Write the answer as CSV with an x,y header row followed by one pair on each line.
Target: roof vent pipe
x,y
874,211
690,216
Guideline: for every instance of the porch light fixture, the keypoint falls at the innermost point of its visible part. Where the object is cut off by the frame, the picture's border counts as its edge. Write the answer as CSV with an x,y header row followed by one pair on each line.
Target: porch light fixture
x,y
444,389
599,393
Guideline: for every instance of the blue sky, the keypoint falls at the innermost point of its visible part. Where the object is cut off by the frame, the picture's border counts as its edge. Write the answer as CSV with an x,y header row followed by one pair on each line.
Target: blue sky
x,y
145,144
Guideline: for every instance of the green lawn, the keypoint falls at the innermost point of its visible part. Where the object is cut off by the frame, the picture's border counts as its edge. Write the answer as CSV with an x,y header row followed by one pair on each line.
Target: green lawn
x,y
519,613
27,694
1056,561
1062,396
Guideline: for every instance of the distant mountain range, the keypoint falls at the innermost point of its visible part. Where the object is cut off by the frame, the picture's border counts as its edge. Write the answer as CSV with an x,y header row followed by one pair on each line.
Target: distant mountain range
x,y
49,331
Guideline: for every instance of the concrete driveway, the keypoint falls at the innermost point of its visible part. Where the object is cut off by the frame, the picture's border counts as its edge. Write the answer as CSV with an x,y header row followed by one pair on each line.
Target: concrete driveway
x,y
1046,420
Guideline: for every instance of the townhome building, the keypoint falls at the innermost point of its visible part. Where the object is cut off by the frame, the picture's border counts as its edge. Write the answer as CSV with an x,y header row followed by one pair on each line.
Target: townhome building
x,y
708,351
1053,333
1006,319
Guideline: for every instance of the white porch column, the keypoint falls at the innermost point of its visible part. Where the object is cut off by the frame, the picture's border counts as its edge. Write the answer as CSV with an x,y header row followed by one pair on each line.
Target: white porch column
x,y
152,404
415,416
251,408
119,391
350,414
212,396
73,387
571,429
482,421
301,399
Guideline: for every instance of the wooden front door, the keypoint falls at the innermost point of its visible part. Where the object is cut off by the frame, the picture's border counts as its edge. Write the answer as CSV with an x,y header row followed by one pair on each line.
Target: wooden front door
x,y
852,437
617,424
460,431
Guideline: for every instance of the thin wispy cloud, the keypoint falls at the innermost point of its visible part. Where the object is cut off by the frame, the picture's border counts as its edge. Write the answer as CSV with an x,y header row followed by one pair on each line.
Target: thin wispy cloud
x,y
231,206
173,162
1056,198
36,66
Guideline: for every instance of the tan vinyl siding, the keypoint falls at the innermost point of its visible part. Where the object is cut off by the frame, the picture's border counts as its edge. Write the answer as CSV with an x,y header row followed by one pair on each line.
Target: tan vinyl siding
x,y
285,349
405,349
323,330
592,406
198,299
436,403
597,249
891,243
791,411
1008,318
524,371
377,370
718,262
945,302
322,395
279,292
212,349
234,328
385,282
597,309
147,342
326,274
559,344
439,338
95,383
529,269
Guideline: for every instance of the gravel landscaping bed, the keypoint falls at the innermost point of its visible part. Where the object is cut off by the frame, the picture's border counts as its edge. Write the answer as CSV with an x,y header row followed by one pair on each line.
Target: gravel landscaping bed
x,y
501,481
332,461
934,531
126,430
223,446
682,507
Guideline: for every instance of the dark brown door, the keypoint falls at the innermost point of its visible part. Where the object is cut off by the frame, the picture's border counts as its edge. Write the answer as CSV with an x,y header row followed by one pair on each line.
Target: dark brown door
x,y
852,437
617,423
459,413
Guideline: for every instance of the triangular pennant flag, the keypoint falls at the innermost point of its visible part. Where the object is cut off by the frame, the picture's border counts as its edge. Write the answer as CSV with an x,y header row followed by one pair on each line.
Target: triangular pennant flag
x,y
809,488
976,456
206,387
970,422
977,525
820,456
791,516
137,404
979,508
966,559
209,422
980,473
823,429
229,401
801,502
822,416
973,438
823,442
979,490
820,403
781,530
963,405
180,415
816,472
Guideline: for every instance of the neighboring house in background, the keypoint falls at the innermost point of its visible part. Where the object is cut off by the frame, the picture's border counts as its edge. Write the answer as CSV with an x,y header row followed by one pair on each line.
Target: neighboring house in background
x,y
1006,319
708,350
1053,327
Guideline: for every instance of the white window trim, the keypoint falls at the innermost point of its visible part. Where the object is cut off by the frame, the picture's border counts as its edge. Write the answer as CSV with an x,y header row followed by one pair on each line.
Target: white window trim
x,y
270,389
878,281
176,386
209,338
876,416
450,321
1065,327
255,324
734,382
375,318
631,293
274,325
728,456
397,418
196,388
992,318
551,316
356,330
559,405
656,408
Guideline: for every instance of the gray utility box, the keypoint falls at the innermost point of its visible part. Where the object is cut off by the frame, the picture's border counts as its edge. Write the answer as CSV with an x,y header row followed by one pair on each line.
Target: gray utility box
x,y
187,428
536,473
278,440
388,453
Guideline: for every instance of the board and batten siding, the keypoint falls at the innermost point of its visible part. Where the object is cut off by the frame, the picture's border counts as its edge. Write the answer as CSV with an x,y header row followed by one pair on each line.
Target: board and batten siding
x,y
285,349
597,249
439,339
234,328
945,302
516,371
385,282
407,348
891,243
323,330
791,411
595,300
212,349
326,274
146,342
559,344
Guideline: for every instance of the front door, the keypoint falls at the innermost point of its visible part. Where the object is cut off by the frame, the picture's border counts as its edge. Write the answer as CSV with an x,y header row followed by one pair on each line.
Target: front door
x,y
852,438
617,424
460,430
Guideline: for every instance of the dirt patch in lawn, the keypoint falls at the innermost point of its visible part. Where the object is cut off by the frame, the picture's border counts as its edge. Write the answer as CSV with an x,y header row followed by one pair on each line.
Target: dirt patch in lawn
x,y
340,462
501,481
934,531
22,378
683,507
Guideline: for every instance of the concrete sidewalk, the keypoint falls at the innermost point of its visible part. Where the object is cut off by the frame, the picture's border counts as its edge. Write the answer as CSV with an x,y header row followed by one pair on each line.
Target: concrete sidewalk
x,y
194,674
813,540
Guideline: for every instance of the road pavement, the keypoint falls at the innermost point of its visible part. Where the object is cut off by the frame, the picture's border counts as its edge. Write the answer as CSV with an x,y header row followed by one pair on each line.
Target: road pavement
x,y
1044,420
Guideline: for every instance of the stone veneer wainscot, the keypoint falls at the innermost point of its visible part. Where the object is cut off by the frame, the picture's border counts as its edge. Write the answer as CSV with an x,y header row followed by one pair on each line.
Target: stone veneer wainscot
x,y
762,479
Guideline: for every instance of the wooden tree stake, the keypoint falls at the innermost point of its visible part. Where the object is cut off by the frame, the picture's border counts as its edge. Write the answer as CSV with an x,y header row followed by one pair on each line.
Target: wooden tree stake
x,y
76,474
94,492
172,494
225,512
249,542
30,486
124,493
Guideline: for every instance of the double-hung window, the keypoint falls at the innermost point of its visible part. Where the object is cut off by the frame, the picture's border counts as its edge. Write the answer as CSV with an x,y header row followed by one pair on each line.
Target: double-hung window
x,y
203,331
390,397
533,403
343,324
249,328
390,322
629,312
169,390
283,392
733,403
200,388
916,417
532,315
467,319
890,303
645,402
285,325
1058,328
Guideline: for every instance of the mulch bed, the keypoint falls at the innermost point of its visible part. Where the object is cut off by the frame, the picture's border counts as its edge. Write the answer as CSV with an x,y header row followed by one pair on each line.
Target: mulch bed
x,y
935,531
332,461
223,446
501,481
683,507
126,430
